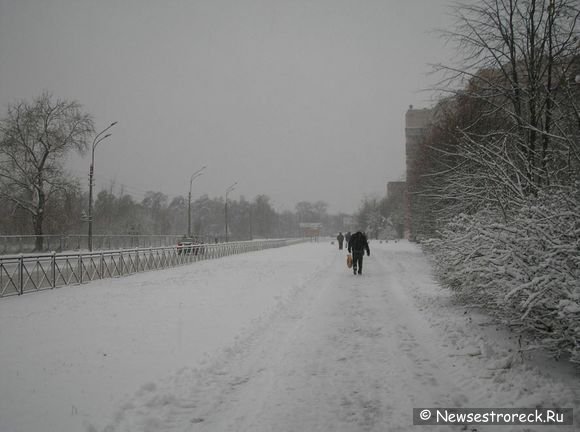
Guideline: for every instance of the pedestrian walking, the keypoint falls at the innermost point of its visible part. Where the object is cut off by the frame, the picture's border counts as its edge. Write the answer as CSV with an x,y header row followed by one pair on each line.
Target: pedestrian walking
x,y
340,239
358,244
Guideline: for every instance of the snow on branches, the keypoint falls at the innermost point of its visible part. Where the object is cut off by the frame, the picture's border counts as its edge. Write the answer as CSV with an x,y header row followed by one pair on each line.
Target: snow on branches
x,y
525,271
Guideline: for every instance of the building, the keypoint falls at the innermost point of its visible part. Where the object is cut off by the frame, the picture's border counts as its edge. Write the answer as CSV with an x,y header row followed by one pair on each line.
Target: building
x,y
417,122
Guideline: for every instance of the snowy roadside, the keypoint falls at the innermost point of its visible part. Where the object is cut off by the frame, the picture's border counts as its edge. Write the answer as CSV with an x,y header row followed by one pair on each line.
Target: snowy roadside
x,y
345,353
71,356
491,354
285,339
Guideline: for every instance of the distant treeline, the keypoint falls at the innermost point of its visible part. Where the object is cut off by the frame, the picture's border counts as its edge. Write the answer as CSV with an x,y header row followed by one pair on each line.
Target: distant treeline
x,y
38,196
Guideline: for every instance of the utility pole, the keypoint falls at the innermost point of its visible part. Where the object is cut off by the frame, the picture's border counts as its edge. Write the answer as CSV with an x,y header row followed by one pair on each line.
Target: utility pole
x,y
251,234
98,138
193,176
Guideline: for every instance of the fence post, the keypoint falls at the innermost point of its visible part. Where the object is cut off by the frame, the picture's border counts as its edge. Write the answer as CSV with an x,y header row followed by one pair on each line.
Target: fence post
x,y
81,268
53,268
136,260
21,273
102,264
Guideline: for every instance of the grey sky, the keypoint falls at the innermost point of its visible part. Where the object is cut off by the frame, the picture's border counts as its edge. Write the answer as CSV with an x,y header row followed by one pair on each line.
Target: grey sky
x,y
296,99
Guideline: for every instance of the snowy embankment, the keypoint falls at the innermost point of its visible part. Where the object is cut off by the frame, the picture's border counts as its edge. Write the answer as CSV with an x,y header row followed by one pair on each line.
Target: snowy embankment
x,y
284,339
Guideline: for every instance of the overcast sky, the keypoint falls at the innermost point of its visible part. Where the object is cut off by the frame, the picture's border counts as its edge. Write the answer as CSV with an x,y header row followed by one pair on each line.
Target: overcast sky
x,y
295,99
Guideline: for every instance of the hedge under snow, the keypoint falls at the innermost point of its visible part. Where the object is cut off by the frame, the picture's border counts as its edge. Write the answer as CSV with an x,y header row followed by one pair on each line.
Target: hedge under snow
x,y
524,270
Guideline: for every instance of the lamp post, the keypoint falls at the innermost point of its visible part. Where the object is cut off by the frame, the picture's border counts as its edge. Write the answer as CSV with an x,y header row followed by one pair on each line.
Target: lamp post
x,y
228,190
98,138
193,176
250,217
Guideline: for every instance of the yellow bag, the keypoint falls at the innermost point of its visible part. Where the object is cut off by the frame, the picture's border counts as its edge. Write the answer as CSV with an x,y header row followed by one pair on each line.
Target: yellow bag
x,y
349,261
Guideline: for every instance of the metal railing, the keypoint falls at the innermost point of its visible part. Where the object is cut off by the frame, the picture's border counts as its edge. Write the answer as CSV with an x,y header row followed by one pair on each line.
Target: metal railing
x,y
29,273
15,244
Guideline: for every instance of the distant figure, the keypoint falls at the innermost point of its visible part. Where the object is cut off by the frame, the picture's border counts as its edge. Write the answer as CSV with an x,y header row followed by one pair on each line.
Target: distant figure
x,y
357,245
347,238
340,239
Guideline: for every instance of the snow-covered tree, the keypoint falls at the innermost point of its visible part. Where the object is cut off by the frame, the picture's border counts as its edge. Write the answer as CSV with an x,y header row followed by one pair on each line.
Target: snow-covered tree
x,y
35,138
496,178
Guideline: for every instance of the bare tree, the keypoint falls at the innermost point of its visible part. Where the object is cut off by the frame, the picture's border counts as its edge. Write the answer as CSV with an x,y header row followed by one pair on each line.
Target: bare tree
x,y
306,212
34,140
500,168
263,216
510,126
519,59
369,217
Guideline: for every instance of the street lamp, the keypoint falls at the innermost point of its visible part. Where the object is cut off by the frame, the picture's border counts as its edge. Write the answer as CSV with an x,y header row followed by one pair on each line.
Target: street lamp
x,y
98,138
228,190
250,217
193,176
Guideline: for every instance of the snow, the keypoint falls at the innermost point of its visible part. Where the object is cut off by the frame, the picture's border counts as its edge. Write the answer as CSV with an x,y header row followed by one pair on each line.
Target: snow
x,y
284,339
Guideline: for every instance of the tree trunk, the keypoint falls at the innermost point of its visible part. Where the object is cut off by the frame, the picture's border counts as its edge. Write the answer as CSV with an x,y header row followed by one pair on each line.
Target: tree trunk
x,y
38,221
39,241
548,114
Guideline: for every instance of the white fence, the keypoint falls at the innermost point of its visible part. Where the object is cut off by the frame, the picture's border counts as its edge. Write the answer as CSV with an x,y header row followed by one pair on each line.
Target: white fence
x,y
29,273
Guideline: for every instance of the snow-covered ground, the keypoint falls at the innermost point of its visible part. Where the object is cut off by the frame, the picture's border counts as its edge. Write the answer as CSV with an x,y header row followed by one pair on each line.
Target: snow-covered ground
x,y
279,340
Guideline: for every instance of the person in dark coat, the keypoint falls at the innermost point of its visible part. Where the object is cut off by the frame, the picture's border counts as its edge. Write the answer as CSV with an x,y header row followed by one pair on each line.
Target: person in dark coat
x,y
340,239
357,245
347,238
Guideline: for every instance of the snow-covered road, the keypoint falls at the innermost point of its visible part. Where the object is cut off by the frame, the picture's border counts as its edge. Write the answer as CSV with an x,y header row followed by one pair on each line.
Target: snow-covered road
x,y
278,340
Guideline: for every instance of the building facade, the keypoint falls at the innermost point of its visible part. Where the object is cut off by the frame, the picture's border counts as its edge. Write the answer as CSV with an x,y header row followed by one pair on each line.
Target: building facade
x,y
417,123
